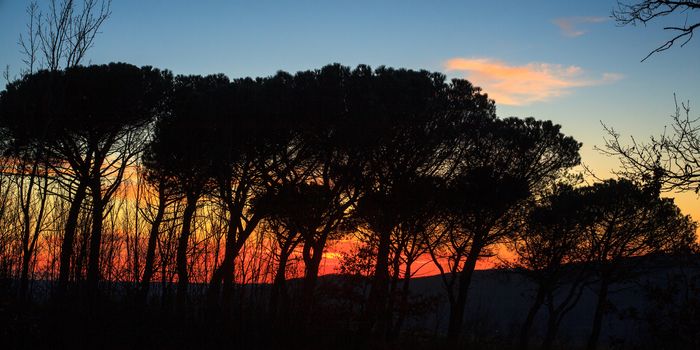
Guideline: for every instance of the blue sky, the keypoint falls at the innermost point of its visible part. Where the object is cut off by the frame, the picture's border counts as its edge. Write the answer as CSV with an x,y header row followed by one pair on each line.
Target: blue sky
x,y
593,66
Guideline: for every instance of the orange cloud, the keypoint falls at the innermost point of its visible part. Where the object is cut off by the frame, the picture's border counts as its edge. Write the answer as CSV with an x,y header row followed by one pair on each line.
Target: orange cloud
x,y
570,25
526,84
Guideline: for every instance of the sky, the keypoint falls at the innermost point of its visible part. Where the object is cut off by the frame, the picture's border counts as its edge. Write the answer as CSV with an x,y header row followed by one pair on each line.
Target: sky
x,y
565,61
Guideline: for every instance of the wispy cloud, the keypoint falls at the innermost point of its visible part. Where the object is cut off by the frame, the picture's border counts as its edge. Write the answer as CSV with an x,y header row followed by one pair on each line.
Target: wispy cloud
x,y
525,84
571,26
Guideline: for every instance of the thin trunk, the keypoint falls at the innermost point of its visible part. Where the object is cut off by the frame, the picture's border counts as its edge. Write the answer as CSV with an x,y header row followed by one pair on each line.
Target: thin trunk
x,y
599,313
557,313
530,319
456,319
552,324
181,258
93,271
375,322
403,306
151,247
80,260
312,255
164,285
391,296
26,251
223,274
69,238
24,278
228,276
278,295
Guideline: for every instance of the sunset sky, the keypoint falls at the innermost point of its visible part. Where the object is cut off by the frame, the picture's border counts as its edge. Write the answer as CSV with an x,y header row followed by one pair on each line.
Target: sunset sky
x,y
566,61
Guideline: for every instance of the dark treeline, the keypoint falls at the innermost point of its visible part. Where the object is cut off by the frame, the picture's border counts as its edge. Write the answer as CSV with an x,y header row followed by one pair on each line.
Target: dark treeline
x,y
146,209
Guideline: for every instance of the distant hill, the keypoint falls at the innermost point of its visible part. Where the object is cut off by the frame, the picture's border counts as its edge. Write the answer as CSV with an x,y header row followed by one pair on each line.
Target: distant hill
x,y
499,300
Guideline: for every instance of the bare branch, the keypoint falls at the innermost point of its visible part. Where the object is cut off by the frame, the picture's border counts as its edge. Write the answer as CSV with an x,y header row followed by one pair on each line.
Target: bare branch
x,y
66,32
648,10
671,160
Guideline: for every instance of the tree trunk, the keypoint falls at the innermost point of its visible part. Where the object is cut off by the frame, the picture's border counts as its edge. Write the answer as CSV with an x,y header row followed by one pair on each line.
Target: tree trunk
x,y
69,238
391,295
454,327
403,303
552,323
235,239
233,247
278,294
226,267
312,255
151,247
375,322
599,313
181,255
530,319
93,272
24,278
26,229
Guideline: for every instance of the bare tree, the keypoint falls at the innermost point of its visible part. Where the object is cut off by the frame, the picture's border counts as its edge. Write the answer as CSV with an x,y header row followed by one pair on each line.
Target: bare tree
x,y
672,160
30,43
645,11
63,33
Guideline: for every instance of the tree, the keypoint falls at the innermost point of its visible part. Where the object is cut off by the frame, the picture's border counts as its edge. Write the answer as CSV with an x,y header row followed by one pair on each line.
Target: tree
x,y
182,152
636,223
645,11
55,39
286,240
242,133
304,164
548,252
401,122
60,37
670,316
419,219
164,197
499,166
669,160
87,121
316,161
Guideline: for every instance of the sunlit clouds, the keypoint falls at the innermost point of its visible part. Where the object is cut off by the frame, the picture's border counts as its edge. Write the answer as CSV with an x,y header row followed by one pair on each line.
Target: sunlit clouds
x,y
525,84
572,26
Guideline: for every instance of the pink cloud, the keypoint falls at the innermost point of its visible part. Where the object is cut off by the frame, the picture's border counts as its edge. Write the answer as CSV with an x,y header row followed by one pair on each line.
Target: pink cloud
x,y
525,84
570,25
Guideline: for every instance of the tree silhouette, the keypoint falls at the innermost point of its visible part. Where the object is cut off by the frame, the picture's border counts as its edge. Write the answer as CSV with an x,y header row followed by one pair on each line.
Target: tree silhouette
x,y
237,153
182,151
87,120
636,223
163,197
419,219
121,177
308,170
401,119
498,166
549,253
275,205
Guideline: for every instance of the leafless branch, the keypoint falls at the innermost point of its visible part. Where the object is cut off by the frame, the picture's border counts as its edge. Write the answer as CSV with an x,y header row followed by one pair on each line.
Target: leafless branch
x,y
648,10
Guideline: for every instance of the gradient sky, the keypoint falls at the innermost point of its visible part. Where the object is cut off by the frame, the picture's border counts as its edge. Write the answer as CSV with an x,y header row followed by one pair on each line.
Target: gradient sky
x,y
566,61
